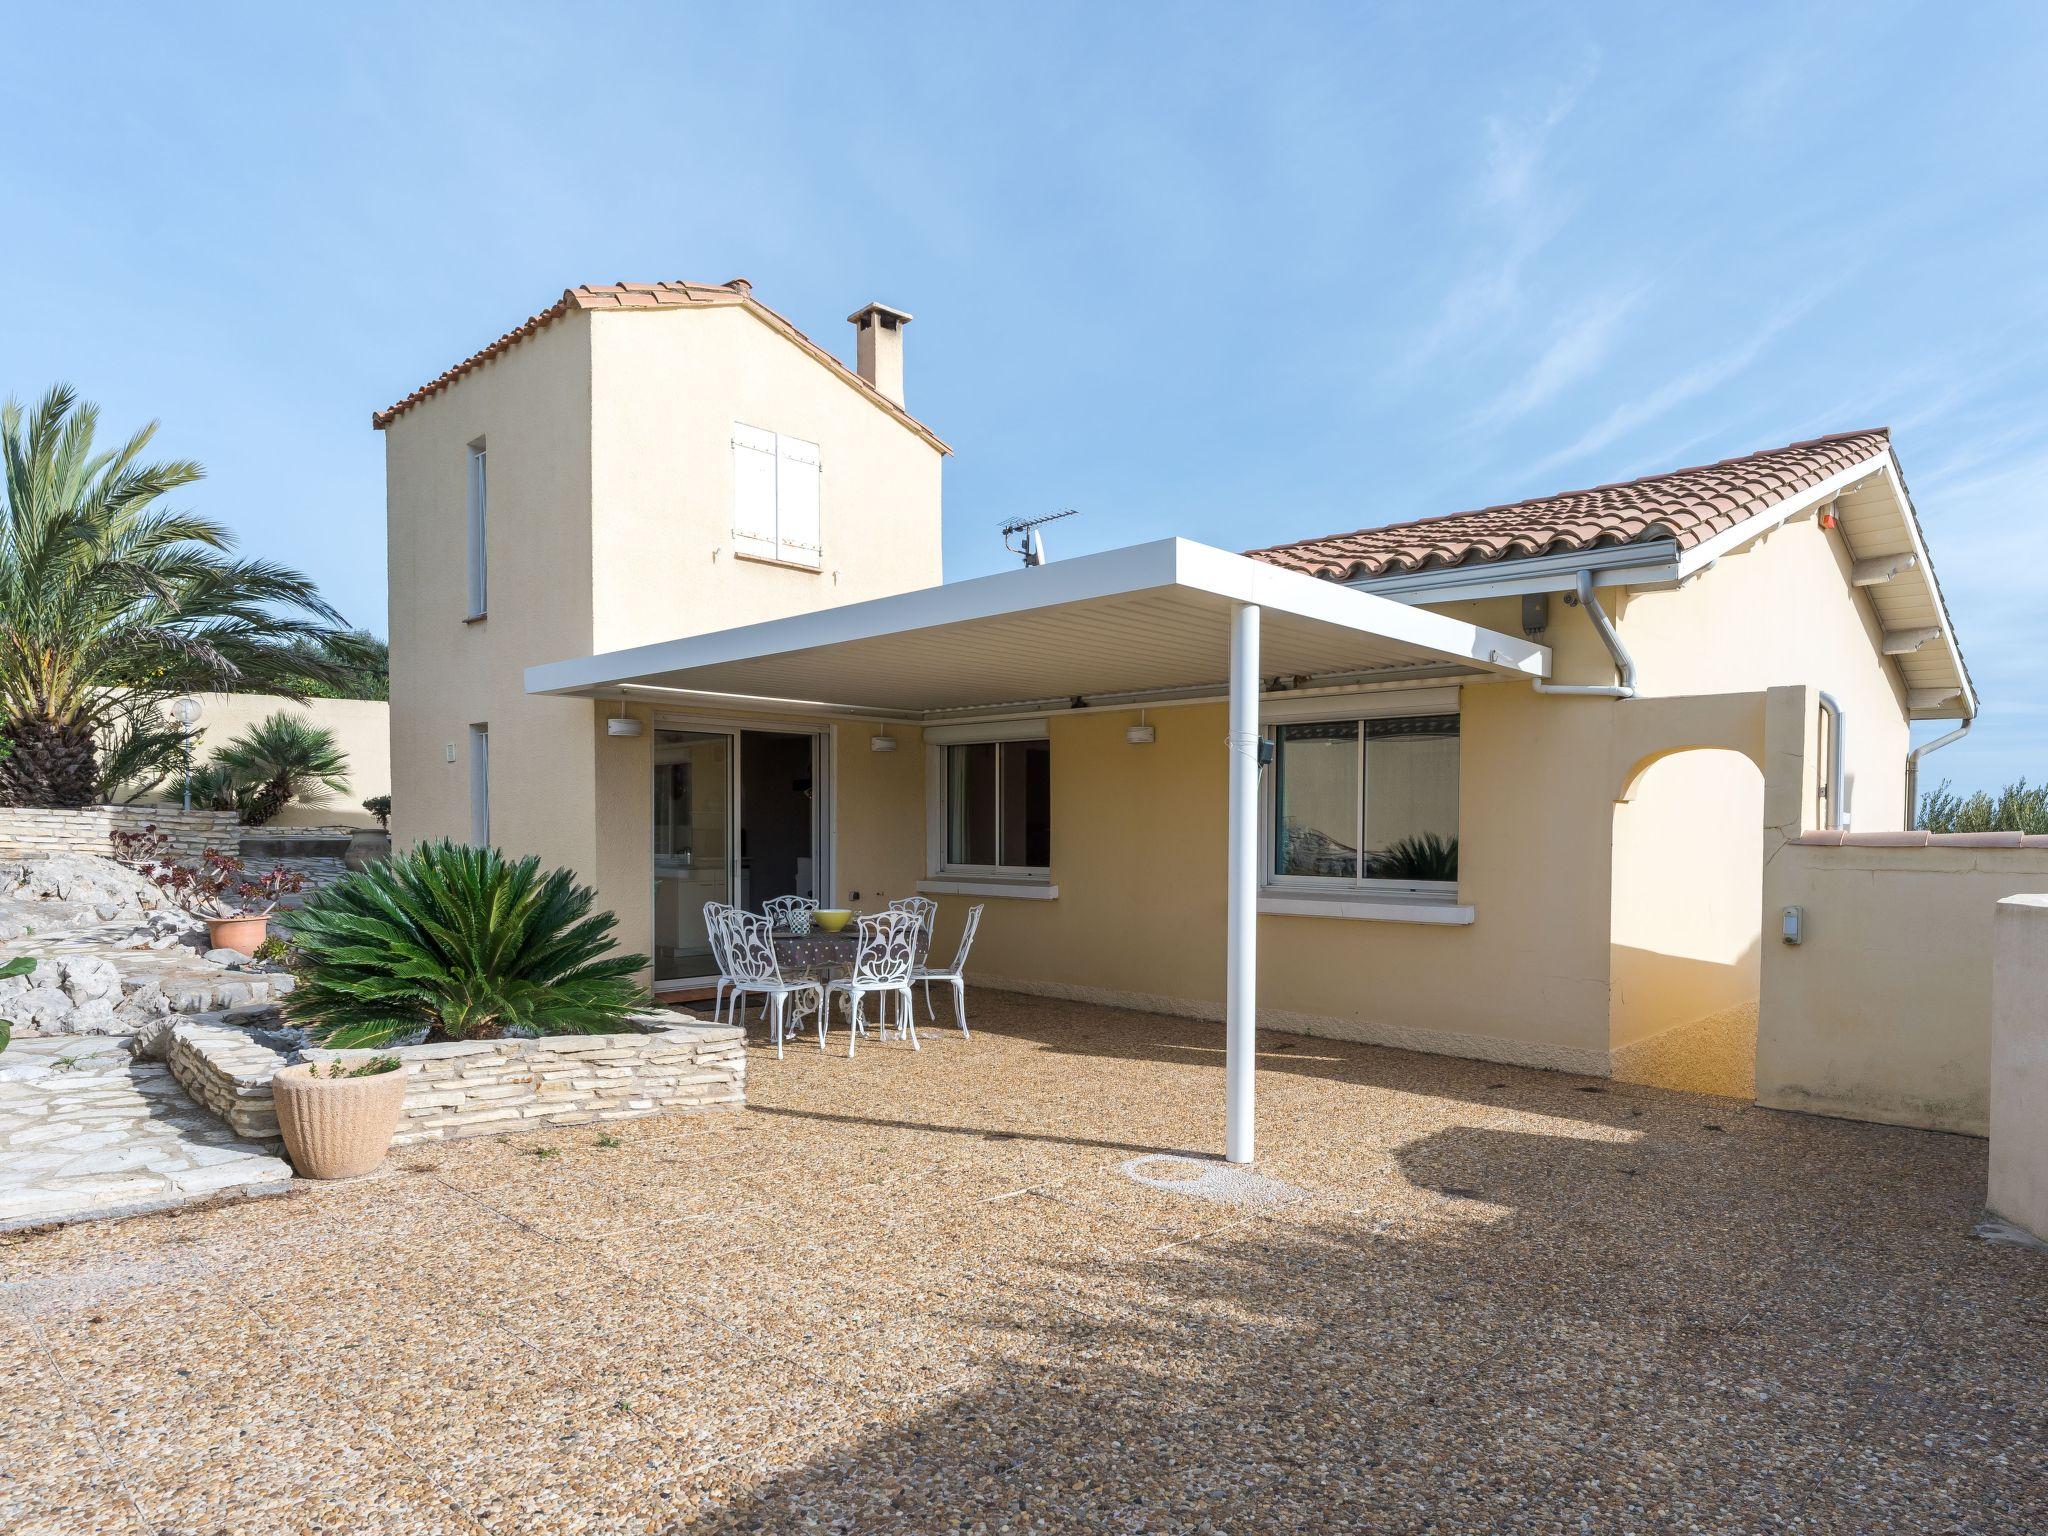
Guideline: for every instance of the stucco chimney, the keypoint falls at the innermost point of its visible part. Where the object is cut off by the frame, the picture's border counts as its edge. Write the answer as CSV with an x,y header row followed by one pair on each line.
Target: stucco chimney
x,y
879,359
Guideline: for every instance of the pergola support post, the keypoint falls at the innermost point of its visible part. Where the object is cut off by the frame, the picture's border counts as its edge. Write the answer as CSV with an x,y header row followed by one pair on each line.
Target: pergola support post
x,y
1241,963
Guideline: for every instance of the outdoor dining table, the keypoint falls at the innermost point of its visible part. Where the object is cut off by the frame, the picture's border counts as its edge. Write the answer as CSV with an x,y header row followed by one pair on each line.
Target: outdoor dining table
x,y
817,953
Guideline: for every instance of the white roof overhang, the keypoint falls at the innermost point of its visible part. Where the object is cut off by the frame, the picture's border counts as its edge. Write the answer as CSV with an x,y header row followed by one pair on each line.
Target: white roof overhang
x,y
1147,619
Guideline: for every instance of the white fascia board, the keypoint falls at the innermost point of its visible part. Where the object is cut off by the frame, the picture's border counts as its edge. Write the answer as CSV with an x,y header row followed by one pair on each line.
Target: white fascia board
x,y
1136,568
1650,564
1911,519
1729,540
1750,529
1246,580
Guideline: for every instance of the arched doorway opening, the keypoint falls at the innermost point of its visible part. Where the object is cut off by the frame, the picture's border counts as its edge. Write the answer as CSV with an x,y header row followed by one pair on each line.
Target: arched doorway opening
x,y
1686,935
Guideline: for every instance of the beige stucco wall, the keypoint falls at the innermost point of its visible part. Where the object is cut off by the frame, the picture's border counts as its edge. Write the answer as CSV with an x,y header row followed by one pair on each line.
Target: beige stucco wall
x,y
532,407
361,727
1779,613
2018,1181
668,386
609,439
1884,1012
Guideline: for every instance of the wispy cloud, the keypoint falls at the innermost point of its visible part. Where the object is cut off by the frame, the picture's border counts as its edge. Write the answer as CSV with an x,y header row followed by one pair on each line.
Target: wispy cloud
x,y
1579,345
1522,211
1690,385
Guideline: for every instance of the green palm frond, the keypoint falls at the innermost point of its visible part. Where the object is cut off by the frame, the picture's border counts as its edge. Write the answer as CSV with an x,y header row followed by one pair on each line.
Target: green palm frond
x,y
105,591
282,758
460,941
1422,856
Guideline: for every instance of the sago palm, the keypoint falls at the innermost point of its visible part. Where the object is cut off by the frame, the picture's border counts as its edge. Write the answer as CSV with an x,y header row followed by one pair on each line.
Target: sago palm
x,y
111,603
462,942
281,759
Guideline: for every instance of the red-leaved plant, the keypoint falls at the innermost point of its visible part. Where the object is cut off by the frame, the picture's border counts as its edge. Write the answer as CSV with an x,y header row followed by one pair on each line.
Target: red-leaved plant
x,y
219,885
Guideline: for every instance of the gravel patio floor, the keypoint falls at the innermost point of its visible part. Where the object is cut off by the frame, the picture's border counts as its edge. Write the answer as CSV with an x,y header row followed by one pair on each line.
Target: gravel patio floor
x,y
924,1293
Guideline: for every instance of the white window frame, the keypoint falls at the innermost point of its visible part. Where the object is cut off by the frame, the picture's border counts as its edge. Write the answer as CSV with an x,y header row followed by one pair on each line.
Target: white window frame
x,y
1361,709
480,784
792,456
479,527
937,784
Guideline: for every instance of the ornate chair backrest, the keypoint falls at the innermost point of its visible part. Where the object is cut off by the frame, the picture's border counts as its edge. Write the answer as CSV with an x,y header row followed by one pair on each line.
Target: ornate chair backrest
x,y
714,930
927,912
750,946
790,912
967,938
888,948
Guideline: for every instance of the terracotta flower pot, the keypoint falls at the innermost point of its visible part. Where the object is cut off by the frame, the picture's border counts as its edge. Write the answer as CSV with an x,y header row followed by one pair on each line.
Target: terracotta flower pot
x,y
337,1127
240,933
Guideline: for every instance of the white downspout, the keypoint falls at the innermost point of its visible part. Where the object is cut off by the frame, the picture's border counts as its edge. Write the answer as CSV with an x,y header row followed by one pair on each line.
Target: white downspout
x,y
1838,807
1624,664
1241,951
1913,767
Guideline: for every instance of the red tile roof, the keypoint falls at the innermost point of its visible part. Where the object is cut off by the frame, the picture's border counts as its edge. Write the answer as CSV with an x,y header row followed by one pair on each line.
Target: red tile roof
x,y
1689,506
679,295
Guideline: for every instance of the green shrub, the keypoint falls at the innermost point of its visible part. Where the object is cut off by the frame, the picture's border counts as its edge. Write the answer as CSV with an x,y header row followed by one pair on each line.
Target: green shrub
x,y
2019,807
463,942
1423,856
20,965
379,806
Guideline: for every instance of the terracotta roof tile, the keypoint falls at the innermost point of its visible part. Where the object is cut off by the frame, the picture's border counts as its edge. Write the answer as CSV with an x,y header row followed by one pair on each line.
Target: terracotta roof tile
x,y
637,296
1688,506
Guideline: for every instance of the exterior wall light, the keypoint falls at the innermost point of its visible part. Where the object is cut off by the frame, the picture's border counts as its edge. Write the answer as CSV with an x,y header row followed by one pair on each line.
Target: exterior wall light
x,y
622,724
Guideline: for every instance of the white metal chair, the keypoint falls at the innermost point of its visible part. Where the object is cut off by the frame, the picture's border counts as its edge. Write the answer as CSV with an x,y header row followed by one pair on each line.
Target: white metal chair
x,y
927,912
882,963
750,951
792,914
714,932
955,974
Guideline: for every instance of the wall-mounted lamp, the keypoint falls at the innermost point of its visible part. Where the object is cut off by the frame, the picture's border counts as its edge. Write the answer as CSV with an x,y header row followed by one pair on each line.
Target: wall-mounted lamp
x,y
622,724
881,741
1141,734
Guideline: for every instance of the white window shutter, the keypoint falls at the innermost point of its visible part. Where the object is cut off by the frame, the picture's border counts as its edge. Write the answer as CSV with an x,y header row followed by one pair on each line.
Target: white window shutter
x,y
797,537
753,491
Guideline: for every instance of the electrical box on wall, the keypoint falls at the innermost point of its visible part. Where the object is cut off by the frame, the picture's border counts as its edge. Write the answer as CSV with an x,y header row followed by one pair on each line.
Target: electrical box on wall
x,y
451,752
1795,925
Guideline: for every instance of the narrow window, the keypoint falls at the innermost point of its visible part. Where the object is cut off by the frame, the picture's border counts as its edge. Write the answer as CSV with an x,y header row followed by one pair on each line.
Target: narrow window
x,y
479,523
480,785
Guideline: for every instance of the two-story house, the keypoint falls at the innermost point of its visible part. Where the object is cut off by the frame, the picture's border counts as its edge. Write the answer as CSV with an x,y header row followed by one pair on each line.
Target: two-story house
x,y
635,462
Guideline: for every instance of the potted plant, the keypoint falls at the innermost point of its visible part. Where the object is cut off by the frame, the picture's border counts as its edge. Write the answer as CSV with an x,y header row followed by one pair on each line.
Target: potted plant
x,y
234,902
338,1118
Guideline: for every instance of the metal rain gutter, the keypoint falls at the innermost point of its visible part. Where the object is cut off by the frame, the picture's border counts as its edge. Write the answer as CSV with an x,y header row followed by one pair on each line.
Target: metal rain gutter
x,y
1624,665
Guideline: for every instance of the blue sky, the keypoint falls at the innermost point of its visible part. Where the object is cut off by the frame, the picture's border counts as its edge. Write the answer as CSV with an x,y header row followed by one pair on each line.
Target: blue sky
x,y
1238,274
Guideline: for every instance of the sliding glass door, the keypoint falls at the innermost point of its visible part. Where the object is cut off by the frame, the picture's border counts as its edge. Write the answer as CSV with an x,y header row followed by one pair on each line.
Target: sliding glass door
x,y
693,804
738,817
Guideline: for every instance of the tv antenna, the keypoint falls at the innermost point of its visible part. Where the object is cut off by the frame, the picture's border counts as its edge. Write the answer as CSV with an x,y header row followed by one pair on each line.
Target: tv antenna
x,y
1033,547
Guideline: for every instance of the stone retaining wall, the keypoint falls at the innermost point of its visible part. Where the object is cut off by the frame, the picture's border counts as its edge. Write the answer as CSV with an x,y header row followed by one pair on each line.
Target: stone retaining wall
x,y
88,830
486,1087
227,1070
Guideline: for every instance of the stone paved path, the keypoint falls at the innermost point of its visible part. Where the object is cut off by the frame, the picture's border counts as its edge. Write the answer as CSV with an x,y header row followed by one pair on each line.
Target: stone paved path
x,y
87,1132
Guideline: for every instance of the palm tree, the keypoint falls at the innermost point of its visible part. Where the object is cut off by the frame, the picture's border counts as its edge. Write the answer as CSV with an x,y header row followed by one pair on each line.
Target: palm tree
x,y
111,604
278,760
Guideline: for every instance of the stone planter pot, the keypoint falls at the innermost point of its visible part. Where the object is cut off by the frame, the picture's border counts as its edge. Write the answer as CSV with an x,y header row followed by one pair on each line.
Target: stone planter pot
x,y
366,848
238,933
337,1127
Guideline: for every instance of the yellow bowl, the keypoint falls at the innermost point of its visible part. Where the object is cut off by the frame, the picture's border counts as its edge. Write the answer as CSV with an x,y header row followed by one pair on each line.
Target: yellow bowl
x,y
832,919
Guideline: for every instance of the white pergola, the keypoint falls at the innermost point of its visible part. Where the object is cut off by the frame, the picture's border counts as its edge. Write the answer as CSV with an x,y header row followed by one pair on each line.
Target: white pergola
x,y
1151,622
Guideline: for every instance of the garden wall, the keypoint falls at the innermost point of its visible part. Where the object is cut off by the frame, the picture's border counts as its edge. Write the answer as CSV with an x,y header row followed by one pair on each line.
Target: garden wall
x,y
24,830
1883,1012
486,1087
